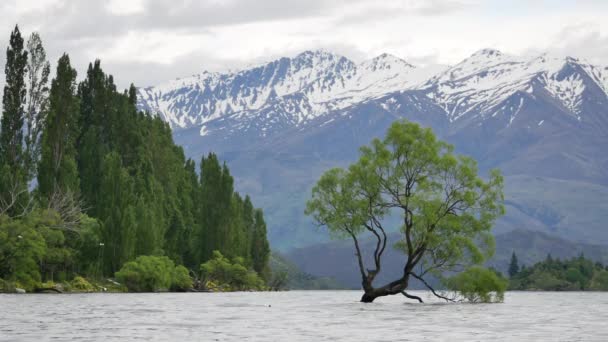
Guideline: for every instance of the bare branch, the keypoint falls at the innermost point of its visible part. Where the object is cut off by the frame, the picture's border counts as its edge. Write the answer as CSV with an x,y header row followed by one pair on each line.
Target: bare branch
x,y
69,207
412,296
11,201
432,289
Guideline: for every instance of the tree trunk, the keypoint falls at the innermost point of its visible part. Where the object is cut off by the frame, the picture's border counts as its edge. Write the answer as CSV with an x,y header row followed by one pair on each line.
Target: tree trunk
x,y
368,297
370,293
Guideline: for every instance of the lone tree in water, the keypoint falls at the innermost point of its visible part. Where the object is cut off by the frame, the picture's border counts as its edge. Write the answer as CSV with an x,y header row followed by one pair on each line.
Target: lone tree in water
x,y
446,210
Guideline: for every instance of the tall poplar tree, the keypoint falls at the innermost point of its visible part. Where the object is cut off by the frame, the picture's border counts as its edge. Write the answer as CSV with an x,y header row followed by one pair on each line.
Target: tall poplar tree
x,y
57,169
38,71
260,250
13,185
13,101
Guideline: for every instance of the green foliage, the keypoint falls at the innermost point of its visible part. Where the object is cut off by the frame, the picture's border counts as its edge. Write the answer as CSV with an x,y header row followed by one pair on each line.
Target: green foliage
x,y
478,285
215,208
57,171
551,274
600,280
260,250
181,279
447,210
13,101
38,71
79,284
6,286
23,248
513,266
153,273
113,182
233,274
117,214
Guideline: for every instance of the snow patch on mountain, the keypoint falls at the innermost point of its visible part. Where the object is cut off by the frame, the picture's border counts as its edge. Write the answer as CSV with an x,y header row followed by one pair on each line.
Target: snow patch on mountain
x,y
326,81
482,82
291,91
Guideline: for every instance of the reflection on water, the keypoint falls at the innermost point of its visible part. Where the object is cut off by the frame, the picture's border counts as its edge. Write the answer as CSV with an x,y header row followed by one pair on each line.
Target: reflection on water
x,y
300,316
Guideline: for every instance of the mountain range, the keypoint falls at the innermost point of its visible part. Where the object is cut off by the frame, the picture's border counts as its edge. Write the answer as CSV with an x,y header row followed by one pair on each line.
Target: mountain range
x,y
542,120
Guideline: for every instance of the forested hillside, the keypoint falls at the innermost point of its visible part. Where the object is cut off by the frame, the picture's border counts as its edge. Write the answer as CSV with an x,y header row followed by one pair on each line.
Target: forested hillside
x,y
89,183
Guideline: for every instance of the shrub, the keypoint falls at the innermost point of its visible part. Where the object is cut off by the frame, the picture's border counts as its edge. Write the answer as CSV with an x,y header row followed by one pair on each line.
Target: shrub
x,y
22,247
233,274
6,286
181,279
479,285
79,284
153,273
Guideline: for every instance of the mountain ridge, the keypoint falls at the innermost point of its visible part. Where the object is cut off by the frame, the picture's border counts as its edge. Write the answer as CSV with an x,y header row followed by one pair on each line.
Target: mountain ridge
x,y
326,82
542,120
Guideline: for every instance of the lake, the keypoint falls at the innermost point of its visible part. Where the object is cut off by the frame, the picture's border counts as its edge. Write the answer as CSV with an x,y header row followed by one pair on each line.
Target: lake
x,y
300,316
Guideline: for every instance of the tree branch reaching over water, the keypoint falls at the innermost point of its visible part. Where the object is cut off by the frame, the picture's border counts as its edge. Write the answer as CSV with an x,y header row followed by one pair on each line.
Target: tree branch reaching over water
x,y
412,297
432,289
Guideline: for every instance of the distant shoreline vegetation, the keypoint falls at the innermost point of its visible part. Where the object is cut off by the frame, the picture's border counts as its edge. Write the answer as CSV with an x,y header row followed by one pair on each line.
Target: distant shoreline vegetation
x,y
576,274
92,189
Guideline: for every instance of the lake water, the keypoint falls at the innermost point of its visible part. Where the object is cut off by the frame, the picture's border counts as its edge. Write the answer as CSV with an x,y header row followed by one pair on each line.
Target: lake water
x,y
300,316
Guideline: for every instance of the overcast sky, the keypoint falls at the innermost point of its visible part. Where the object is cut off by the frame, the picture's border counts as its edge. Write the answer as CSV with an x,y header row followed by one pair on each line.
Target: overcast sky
x,y
150,41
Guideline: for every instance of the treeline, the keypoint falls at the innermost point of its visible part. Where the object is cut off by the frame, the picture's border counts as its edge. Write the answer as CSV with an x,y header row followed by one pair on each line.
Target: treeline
x,y
576,274
88,182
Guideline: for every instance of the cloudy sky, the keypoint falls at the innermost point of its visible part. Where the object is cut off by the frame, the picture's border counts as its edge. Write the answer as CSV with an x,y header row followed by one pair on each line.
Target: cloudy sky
x,y
149,41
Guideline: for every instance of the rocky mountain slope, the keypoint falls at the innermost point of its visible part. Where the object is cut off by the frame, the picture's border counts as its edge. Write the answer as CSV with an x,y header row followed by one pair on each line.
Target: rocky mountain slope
x,y
542,120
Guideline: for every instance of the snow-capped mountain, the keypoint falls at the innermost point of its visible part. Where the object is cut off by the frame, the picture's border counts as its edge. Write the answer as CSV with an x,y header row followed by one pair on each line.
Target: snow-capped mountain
x,y
305,86
289,92
480,84
542,120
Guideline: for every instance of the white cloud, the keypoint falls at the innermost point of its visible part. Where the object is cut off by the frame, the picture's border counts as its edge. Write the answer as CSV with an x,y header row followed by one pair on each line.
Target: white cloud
x,y
121,7
148,41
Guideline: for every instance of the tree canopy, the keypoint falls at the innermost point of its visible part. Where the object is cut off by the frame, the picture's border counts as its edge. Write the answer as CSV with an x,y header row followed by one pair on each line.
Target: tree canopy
x,y
444,209
576,274
112,185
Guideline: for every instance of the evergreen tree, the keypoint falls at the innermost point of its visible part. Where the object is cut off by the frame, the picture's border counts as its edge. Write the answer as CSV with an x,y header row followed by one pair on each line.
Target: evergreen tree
x,y
58,170
132,95
513,266
260,250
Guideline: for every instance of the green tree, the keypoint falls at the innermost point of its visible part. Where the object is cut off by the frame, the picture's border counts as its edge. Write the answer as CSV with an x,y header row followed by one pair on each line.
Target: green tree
x,y
260,250
513,266
38,71
446,210
96,107
216,191
13,178
13,101
22,248
58,172
117,214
